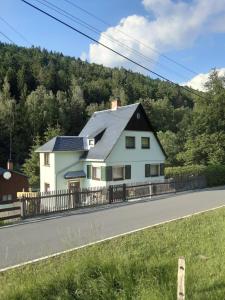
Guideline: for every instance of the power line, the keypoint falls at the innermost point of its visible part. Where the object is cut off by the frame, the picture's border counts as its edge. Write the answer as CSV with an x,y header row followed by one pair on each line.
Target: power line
x,y
107,37
132,38
112,50
11,41
16,31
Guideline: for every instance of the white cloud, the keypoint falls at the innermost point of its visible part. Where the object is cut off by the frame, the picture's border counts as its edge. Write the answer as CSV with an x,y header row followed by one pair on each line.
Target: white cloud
x,y
199,81
83,56
174,26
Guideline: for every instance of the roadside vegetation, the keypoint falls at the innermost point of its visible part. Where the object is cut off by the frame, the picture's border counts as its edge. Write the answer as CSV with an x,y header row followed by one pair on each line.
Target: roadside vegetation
x,y
214,174
142,266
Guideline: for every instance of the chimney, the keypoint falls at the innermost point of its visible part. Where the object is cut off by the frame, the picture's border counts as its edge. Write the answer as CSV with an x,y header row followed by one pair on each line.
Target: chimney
x,y
10,165
115,103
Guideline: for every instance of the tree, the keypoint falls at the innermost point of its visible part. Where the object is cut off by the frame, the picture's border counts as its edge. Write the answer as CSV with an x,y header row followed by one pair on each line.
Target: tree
x,y
7,120
204,149
171,144
31,167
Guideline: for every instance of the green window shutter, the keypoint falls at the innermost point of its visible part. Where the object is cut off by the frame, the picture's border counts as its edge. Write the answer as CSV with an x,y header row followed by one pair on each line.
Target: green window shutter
x,y
128,172
162,167
147,170
89,171
103,173
108,173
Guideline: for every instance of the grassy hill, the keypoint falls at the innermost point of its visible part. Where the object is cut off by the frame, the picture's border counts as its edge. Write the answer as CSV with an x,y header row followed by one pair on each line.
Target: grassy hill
x,y
138,266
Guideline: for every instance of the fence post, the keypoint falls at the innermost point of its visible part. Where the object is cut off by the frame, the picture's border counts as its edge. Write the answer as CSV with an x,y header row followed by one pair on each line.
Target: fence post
x,y
110,194
22,209
150,190
174,186
181,279
124,192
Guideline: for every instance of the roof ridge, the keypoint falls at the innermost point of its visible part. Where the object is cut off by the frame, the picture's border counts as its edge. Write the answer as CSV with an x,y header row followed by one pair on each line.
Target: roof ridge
x,y
118,108
69,136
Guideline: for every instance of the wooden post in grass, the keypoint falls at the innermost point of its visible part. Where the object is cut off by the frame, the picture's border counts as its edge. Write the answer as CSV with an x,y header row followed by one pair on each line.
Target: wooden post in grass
x,y
181,279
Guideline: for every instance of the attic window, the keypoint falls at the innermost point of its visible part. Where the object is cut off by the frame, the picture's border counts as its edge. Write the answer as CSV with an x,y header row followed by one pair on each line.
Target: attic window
x,y
145,142
138,116
91,142
130,142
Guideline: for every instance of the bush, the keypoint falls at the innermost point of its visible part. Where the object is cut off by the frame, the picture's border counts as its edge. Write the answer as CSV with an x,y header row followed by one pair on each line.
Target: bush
x,y
183,171
215,174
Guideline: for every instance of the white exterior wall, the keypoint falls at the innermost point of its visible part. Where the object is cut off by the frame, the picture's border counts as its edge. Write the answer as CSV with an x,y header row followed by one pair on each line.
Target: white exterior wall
x,y
65,162
137,157
47,173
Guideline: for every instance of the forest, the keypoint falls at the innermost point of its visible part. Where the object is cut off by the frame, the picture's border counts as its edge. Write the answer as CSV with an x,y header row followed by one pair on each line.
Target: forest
x,y
43,94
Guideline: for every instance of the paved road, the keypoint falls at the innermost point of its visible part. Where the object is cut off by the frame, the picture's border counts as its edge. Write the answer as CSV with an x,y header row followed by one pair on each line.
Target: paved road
x,y
24,242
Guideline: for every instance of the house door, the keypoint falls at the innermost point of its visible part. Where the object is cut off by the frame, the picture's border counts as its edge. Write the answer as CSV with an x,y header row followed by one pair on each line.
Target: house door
x,y
74,185
74,190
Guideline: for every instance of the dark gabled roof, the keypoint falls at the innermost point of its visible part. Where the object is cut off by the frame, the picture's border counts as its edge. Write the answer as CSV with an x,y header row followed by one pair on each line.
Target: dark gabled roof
x,y
75,174
113,122
2,171
64,143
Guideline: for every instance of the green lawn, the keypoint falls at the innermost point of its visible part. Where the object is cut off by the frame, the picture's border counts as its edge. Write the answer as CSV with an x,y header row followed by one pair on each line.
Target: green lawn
x,y
139,266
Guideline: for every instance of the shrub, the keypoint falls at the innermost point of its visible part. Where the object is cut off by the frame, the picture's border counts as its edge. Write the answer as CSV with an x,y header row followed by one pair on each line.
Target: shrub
x,y
215,174
186,170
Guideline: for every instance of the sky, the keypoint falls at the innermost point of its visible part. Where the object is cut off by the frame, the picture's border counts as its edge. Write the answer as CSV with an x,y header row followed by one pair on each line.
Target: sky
x,y
151,32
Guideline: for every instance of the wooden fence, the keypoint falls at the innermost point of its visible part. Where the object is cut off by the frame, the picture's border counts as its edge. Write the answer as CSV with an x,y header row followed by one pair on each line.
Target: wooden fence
x,y
64,200
10,210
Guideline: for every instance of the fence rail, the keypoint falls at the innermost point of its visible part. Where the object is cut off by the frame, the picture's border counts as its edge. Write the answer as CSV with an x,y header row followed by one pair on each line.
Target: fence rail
x,y
10,210
64,200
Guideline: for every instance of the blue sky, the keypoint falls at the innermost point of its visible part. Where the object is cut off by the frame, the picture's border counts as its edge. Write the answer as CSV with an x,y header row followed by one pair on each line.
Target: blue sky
x,y
190,32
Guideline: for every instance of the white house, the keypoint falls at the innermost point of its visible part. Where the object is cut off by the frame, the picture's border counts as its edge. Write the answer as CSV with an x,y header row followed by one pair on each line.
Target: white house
x,y
116,146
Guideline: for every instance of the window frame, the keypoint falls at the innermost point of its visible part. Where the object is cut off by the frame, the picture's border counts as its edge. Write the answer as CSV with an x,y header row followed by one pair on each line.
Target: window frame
x,y
123,171
142,146
47,159
132,137
47,187
7,197
94,173
158,171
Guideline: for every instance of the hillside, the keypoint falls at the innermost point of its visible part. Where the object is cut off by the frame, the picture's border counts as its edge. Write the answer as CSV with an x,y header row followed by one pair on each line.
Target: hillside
x,y
44,93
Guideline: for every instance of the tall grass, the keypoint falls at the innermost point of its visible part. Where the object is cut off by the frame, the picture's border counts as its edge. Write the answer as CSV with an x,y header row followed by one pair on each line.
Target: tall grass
x,y
139,266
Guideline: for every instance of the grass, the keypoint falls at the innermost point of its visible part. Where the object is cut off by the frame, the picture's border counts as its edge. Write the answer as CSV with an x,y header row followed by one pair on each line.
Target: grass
x,y
138,266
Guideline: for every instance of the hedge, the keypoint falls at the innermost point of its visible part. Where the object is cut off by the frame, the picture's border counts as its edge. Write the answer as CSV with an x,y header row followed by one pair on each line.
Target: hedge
x,y
215,174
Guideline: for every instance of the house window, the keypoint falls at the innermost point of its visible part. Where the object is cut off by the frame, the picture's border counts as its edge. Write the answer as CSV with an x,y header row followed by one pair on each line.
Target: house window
x,y
96,173
7,197
151,170
130,142
91,142
145,143
118,173
47,187
154,170
46,159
